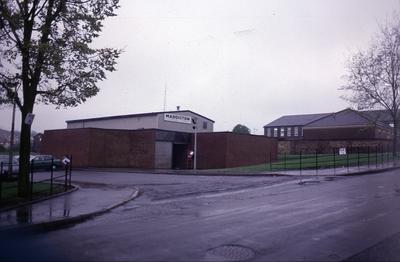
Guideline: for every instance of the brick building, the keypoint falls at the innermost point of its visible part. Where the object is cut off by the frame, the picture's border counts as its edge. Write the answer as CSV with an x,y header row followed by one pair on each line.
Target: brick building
x,y
137,144
329,131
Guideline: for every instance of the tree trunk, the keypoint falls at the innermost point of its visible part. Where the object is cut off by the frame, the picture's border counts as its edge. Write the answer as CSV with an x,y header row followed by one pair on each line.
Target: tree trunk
x,y
394,141
24,157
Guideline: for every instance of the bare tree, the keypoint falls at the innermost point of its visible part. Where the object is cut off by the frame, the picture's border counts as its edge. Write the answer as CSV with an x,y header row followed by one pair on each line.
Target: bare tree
x,y
373,75
46,47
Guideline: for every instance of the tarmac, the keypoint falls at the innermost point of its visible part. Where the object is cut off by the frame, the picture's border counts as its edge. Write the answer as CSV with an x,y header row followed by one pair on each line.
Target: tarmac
x,y
84,203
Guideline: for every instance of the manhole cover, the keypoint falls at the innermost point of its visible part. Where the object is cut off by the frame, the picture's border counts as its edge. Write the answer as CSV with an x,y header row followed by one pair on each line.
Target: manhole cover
x,y
229,253
330,178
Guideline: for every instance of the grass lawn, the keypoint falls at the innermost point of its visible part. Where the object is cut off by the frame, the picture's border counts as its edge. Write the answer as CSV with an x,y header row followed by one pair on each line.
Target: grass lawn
x,y
312,161
9,195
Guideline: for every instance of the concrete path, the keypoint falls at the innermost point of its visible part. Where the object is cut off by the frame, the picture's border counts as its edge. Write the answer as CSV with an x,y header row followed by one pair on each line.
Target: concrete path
x,y
87,201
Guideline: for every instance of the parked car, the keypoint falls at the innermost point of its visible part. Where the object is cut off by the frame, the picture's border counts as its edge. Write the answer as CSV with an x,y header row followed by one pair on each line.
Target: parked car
x,y
43,162
4,160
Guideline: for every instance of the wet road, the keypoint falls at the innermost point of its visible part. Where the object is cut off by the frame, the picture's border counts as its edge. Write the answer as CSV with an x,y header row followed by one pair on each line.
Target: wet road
x,y
188,218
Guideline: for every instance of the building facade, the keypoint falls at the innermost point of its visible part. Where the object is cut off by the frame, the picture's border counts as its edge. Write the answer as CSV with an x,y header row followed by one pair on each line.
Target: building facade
x,y
328,132
159,140
180,121
157,149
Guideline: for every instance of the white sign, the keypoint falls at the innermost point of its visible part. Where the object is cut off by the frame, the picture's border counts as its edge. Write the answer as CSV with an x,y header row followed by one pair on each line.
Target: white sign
x,y
177,118
342,151
66,161
29,119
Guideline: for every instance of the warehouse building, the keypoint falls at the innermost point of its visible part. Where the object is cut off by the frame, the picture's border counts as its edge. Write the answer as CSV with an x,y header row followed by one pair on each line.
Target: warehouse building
x,y
158,140
181,121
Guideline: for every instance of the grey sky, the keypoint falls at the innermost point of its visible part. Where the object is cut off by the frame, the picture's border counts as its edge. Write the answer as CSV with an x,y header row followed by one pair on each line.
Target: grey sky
x,y
233,61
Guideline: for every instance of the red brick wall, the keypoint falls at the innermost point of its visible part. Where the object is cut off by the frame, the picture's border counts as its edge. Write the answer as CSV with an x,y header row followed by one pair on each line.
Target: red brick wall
x,y
211,150
339,133
226,149
245,150
63,142
92,147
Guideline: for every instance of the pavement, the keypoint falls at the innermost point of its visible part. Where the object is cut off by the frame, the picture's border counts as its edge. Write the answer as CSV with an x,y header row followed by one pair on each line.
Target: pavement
x,y
66,208
91,200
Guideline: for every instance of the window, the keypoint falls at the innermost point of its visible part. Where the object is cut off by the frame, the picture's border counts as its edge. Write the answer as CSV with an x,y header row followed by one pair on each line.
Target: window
x,y
275,132
296,131
269,132
204,125
282,133
289,131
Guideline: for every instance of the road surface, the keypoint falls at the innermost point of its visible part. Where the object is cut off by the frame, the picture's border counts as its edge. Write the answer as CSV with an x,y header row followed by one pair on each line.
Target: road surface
x,y
206,218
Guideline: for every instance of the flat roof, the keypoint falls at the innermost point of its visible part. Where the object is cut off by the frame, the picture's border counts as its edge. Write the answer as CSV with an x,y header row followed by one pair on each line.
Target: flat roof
x,y
136,115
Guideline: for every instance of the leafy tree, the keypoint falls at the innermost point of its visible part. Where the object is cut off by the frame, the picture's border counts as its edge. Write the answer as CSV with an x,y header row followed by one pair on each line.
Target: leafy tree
x,y
241,129
373,75
45,49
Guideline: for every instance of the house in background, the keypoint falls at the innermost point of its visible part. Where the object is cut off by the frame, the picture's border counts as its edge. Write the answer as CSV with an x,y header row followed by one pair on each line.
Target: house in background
x,y
327,132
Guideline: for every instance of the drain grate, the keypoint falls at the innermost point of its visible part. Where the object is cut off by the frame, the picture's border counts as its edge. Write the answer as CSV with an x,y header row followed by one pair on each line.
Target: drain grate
x,y
229,253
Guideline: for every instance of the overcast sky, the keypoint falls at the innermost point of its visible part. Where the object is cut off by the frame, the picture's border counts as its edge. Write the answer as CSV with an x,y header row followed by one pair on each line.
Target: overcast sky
x,y
234,61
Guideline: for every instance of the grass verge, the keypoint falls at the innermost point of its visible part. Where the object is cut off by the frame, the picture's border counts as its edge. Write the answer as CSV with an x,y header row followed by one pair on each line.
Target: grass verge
x,y
9,192
319,161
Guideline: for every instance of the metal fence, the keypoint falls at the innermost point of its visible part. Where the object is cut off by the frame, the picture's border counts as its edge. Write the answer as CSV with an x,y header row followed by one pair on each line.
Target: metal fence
x,y
351,157
48,176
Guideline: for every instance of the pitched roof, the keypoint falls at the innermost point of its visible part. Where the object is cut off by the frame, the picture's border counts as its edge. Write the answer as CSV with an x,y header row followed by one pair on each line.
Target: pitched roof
x,y
136,115
296,120
382,116
346,117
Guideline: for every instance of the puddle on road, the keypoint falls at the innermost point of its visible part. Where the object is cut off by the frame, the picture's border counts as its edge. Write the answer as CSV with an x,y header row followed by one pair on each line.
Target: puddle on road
x,y
30,214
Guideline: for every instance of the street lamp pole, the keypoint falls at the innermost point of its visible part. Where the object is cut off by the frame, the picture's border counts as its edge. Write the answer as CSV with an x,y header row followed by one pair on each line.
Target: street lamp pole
x,y
195,149
194,122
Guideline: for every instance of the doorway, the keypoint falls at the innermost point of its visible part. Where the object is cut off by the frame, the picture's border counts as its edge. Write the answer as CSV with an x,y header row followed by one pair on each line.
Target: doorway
x,y
179,156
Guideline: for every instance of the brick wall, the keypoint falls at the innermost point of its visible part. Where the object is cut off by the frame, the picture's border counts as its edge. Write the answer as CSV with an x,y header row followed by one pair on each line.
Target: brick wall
x,y
345,133
226,149
92,147
64,142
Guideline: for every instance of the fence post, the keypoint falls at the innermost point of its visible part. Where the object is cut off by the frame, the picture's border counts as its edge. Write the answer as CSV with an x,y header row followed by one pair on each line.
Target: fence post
x,y
387,154
284,161
334,160
358,158
1,179
368,156
376,156
300,161
316,161
31,167
51,175
70,170
65,177
270,161
347,160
